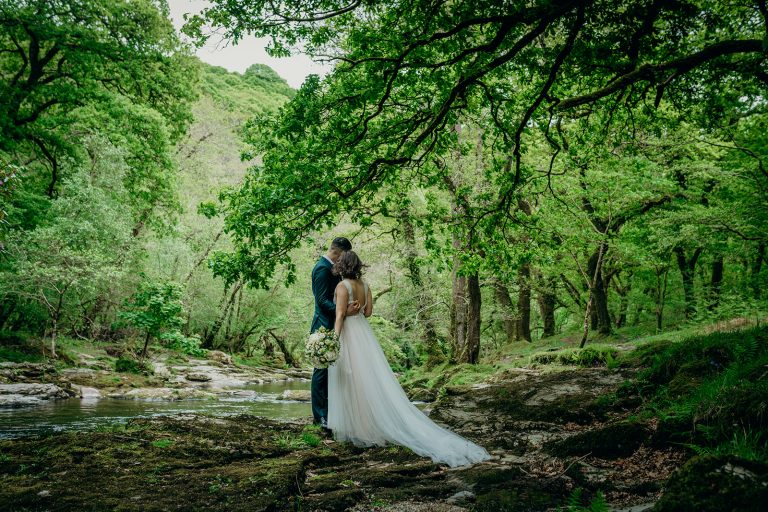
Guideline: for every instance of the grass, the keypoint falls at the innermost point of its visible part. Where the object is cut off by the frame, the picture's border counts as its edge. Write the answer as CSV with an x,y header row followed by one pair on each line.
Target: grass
x,y
19,355
309,437
709,392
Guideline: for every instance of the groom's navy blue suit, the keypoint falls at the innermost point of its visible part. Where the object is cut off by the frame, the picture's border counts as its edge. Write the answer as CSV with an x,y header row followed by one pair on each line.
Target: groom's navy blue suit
x,y
323,285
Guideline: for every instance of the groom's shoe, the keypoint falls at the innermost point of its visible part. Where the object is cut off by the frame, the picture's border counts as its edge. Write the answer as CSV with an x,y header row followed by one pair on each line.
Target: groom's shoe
x,y
324,426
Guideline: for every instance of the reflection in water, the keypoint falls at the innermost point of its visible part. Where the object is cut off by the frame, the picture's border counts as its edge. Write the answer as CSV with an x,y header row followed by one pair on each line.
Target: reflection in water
x,y
87,414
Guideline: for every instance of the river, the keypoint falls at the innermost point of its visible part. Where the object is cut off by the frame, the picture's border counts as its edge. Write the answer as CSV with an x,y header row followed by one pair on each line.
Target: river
x,y
93,413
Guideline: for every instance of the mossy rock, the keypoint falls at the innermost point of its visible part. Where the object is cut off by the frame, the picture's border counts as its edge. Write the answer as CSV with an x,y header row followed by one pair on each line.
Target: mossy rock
x,y
617,440
716,484
422,394
745,404
673,430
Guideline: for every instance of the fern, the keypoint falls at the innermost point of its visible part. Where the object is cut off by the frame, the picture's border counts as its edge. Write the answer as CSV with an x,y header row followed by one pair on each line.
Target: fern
x,y
598,504
574,503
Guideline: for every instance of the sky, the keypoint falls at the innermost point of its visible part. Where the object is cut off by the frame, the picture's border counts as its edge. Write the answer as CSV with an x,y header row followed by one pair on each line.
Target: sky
x,y
249,50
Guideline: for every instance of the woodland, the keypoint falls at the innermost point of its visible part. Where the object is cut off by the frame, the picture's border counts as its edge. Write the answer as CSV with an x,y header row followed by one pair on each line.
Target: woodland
x,y
534,186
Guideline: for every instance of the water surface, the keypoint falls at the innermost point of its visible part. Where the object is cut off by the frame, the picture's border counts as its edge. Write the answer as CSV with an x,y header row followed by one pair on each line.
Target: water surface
x,y
88,414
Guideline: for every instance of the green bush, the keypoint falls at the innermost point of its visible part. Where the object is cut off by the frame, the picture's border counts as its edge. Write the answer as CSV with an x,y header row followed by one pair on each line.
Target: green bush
x,y
125,365
188,345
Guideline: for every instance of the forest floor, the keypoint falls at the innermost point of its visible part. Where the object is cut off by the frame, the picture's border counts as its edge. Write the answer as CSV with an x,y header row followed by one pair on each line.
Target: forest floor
x,y
562,437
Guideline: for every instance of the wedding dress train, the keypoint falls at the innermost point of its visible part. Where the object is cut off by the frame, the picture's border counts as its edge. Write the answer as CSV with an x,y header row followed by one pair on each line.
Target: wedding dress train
x,y
368,407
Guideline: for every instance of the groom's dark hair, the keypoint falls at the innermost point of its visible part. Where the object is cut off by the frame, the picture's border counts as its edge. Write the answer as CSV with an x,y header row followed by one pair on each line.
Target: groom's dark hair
x,y
341,244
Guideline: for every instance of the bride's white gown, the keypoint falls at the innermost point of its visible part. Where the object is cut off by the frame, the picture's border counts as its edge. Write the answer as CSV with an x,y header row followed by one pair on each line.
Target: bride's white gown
x,y
367,406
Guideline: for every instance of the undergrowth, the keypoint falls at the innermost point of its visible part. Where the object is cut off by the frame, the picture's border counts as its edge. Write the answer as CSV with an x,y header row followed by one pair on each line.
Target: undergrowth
x,y
709,392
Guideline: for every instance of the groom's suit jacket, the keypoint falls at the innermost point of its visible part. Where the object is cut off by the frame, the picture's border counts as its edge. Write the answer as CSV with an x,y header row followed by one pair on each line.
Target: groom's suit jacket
x,y
323,285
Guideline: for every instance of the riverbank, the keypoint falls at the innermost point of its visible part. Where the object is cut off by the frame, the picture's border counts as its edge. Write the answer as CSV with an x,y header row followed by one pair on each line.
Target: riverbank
x,y
652,428
165,376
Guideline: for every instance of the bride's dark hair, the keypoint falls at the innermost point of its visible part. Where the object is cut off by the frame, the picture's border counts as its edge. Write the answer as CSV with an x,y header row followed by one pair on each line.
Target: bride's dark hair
x,y
348,266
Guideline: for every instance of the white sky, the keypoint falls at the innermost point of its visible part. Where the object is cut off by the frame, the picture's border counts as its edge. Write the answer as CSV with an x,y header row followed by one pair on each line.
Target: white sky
x,y
249,50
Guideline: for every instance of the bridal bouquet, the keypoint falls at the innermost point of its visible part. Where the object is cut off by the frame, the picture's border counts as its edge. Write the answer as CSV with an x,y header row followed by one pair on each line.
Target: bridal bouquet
x,y
322,347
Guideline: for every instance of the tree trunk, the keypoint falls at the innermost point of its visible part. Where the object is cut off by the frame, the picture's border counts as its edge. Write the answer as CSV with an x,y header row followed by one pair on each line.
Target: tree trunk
x,y
146,344
289,359
524,302
458,313
621,319
547,301
716,284
209,335
507,312
472,353
687,268
269,347
599,293
593,279
6,310
661,294
435,355
756,267
623,291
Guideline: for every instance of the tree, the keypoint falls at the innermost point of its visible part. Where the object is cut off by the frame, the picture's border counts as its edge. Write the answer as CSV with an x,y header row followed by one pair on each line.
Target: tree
x,y
69,67
73,256
156,309
406,73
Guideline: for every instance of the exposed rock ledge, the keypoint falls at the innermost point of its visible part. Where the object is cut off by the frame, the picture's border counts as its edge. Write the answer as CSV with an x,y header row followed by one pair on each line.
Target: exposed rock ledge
x,y
22,394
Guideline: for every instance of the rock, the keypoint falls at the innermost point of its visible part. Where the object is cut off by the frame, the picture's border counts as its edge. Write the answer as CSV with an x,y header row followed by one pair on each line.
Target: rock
x,y
716,483
300,395
21,394
89,361
461,496
221,357
72,372
169,394
87,392
114,350
162,371
299,374
18,401
199,377
44,494
422,395
22,372
617,440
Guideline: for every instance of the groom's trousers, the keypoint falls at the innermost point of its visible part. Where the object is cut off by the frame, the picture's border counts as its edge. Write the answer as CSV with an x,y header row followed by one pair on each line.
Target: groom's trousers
x,y
320,394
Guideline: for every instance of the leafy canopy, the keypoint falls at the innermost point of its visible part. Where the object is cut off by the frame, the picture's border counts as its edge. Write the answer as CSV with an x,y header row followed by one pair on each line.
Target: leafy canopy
x,y
408,73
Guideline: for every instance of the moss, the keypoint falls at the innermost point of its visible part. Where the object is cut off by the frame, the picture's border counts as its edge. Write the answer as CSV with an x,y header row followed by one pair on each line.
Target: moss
x,y
590,356
716,484
617,440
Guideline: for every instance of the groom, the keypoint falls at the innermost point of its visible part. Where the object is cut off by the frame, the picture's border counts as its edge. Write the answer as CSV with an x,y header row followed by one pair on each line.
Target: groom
x,y
323,285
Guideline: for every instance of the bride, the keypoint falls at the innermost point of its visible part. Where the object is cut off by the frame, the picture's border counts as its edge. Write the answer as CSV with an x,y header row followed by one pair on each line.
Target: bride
x,y
366,404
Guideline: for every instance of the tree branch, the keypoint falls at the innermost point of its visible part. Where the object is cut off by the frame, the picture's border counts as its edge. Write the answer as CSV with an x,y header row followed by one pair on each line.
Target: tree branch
x,y
650,72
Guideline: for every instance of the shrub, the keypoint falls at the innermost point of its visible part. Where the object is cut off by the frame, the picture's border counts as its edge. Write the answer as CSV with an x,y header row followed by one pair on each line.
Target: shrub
x,y
125,365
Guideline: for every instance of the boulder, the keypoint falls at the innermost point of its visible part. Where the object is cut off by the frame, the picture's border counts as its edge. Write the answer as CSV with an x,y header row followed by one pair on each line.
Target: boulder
x,y
611,441
22,372
219,356
299,395
87,392
422,395
160,394
198,377
21,394
716,483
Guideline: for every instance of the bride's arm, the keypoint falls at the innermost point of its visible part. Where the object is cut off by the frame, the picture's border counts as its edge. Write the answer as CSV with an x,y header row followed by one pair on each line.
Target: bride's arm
x,y
368,302
342,297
